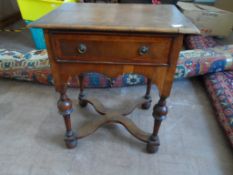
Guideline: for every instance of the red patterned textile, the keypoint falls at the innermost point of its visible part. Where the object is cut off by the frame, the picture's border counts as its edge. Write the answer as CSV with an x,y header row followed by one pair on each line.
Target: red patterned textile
x,y
199,42
219,85
220,88
34,66
155,2
202,61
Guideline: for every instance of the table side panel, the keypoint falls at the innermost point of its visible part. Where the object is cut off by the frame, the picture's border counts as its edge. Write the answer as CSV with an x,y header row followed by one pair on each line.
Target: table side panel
x,y
156,74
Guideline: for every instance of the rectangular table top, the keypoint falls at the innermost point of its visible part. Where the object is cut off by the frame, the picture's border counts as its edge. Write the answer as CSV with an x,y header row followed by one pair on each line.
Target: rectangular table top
x,y
117,17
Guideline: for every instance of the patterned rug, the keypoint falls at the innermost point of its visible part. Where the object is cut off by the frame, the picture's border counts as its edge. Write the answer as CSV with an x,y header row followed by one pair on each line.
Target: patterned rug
x,y
199,42
219,85
220,88
34,66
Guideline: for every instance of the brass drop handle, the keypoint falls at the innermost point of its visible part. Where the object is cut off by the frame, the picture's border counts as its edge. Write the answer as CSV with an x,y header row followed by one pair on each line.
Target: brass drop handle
x,y
82,48
143,50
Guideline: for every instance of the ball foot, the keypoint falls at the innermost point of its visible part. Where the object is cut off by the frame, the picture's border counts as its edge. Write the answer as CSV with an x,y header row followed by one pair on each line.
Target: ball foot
x,y
153,145
71,141
82,103
146,105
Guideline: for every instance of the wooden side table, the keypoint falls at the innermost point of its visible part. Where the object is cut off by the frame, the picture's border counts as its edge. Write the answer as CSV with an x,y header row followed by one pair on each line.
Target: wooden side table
x,y
114,39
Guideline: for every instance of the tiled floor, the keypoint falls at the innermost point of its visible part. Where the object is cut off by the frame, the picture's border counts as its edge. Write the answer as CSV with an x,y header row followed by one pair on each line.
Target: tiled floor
x,y
31,132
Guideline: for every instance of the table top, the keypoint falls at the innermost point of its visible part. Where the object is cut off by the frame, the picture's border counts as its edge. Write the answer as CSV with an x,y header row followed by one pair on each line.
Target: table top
x,y
117,17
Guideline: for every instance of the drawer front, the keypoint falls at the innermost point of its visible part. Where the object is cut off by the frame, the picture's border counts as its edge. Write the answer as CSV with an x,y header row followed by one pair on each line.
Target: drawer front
x,y
116,49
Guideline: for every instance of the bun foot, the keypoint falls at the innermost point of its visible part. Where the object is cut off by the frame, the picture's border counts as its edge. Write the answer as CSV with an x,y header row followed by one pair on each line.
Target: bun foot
x,y
153,146
146,105
82,103
71,141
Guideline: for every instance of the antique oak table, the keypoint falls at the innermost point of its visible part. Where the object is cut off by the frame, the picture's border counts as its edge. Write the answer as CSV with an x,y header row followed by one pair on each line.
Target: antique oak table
x,y
114,39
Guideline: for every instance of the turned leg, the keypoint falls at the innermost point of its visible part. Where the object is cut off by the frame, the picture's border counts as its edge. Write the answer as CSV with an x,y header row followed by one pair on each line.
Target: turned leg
x,y
159,113
81,93
147,96
64,105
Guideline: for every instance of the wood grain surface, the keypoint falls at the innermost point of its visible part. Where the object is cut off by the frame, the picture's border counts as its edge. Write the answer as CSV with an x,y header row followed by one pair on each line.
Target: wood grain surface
x,y
111,48
117,17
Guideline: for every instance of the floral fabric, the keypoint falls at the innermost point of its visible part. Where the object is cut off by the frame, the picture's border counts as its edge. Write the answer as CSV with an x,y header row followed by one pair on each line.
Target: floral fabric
x,y
34,66
201,61
220,88
219,85
199,42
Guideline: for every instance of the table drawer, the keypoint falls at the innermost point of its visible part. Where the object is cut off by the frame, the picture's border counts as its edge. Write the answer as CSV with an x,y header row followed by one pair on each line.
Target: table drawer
x,y
117,49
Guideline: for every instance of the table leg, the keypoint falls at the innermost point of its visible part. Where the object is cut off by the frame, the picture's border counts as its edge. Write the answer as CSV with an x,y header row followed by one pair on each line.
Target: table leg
x,y
81,93
147,96
64,105
159,113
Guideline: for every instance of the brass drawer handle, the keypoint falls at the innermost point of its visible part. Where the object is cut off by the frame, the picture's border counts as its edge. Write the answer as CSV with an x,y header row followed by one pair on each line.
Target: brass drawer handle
x,y
82,49
143,50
